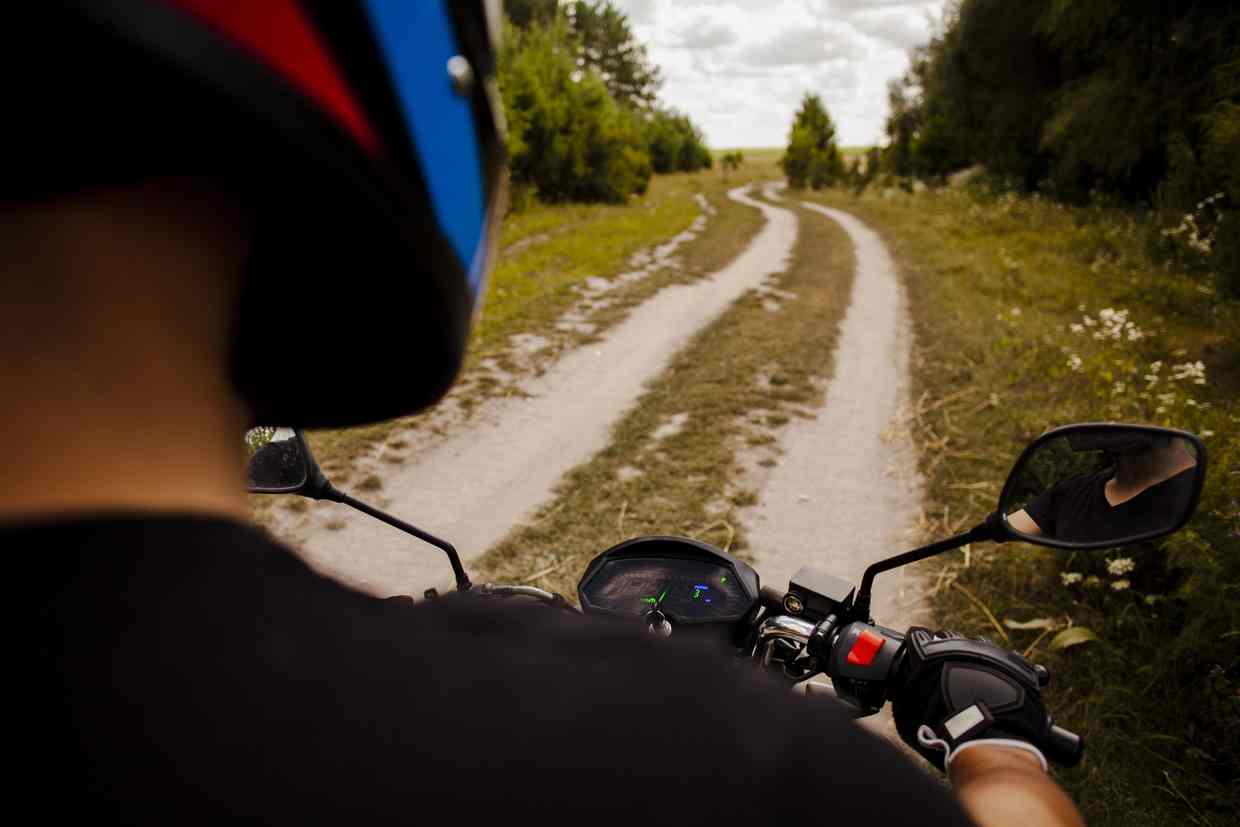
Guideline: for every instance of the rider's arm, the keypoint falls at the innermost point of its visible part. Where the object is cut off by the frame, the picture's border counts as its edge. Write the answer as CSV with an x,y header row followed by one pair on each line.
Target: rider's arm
x,y
1000,787
1022,522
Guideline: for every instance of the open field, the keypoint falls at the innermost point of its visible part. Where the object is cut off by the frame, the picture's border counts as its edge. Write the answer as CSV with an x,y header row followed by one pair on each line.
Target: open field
x,y
1013,303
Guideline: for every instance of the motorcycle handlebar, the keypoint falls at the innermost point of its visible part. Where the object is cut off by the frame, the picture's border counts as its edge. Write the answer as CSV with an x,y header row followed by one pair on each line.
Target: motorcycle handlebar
x,y
1062,747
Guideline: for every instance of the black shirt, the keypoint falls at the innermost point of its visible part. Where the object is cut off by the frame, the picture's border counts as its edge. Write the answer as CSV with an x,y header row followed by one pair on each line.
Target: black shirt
x,y
190,670
1077,510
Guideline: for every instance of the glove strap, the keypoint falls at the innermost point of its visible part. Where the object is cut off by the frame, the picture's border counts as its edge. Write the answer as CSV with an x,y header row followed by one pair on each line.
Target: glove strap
x,y
927,737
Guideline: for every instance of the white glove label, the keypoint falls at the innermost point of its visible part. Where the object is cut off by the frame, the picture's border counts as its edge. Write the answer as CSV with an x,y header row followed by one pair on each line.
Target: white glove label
x,y
963,721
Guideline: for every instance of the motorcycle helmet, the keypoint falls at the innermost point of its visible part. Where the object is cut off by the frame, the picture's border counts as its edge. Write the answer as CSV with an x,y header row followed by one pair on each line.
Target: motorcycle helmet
x,y
363,138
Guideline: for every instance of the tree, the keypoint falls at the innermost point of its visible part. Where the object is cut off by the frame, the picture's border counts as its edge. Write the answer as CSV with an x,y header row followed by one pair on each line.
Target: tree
x,y
812,156
525,13
568,139
675,144
609,47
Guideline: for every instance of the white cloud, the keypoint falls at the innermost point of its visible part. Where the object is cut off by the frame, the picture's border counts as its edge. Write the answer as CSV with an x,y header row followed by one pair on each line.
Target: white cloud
x,y
705,33
796,46
639,11
901,28
740,67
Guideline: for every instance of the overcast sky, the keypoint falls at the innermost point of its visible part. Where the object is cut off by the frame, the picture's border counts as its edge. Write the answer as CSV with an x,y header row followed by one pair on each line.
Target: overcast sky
x,y
740,67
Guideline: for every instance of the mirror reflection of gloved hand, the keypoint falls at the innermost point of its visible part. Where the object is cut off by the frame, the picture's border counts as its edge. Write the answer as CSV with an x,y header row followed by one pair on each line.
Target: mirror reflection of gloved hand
x,y
956,693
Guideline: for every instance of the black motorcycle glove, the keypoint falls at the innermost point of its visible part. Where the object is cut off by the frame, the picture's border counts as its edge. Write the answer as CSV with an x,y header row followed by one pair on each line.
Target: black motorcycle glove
x,y
955,693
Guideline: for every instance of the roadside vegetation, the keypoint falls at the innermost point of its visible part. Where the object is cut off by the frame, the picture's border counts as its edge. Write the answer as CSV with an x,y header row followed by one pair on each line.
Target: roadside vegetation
x,y
1030,314
580,99
675,461
1131,102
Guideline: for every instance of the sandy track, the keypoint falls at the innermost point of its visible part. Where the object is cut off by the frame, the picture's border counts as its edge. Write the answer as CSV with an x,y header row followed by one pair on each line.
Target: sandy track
x,y
846,491
474,485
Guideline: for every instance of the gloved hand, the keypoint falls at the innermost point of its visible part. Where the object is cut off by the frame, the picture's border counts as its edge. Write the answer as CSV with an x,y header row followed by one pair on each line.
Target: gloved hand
x,y
955,693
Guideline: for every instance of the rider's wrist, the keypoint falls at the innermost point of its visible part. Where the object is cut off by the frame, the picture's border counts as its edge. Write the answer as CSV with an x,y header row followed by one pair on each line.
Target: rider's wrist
x,y
984,754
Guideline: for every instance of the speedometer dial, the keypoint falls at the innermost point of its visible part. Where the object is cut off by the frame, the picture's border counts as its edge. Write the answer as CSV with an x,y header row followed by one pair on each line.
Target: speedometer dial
x,y
687,581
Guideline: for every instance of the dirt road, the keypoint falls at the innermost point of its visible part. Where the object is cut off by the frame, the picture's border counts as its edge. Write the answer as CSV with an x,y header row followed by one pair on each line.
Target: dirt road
x,y
484,477
846,491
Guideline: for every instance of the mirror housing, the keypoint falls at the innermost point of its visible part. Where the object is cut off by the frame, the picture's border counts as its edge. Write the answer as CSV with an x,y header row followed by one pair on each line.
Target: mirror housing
x,y
1100,485
1175,491
280,462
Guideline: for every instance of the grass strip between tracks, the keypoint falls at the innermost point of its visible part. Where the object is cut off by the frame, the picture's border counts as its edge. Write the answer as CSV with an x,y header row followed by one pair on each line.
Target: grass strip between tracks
x,y
674,461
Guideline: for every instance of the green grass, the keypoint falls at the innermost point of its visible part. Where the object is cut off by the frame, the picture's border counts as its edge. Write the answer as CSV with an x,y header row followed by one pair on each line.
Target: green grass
x,y
995,285
580,241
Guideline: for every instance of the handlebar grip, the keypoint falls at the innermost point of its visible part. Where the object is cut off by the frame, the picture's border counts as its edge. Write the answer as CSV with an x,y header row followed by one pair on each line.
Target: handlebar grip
x,y
1062,747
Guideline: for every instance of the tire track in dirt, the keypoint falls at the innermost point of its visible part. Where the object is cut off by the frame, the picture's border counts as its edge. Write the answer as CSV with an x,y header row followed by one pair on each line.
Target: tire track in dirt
x,y
846,490
472,486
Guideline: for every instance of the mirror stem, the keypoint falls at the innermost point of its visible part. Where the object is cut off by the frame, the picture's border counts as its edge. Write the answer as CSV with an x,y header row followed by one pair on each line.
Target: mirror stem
x,y
330,492
986,530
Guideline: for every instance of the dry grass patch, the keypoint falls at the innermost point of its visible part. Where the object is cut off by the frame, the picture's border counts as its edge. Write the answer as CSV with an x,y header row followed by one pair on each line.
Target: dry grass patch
x,y
687,480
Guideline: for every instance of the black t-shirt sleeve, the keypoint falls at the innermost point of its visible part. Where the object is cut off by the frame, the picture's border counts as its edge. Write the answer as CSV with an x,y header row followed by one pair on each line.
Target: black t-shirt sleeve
x,y
1042,510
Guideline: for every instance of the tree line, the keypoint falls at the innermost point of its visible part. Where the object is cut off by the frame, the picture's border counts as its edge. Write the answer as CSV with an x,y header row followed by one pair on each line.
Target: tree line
x,y
580,99
1132,101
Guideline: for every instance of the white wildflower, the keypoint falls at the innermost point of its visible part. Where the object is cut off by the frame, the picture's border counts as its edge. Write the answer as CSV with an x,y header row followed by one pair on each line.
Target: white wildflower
x,y
1076,328
1070,577
1118,388
1207,434
1120,585
1076,363
1015,311
1195,371
1089,322
1120,566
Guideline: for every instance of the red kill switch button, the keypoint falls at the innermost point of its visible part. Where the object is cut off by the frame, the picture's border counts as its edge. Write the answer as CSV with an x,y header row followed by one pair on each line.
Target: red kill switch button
x,y
865,648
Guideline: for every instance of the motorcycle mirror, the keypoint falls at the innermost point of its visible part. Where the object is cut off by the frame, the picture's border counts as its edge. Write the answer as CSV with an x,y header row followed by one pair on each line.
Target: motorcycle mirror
x,y
280,462
1100,485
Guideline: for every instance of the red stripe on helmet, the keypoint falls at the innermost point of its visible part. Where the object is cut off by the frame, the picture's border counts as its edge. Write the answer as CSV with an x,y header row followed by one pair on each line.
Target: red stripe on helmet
x,y
279,34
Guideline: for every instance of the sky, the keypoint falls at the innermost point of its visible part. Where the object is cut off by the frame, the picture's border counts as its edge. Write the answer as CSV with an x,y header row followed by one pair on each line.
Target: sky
x,y
739,68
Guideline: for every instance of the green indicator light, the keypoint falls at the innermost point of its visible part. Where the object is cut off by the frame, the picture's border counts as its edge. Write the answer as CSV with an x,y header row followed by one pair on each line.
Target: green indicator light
x,y
723,579
663,595
650,600
696,594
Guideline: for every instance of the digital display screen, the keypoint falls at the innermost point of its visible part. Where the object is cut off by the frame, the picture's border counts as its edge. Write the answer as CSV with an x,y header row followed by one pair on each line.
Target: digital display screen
x,y
687,590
